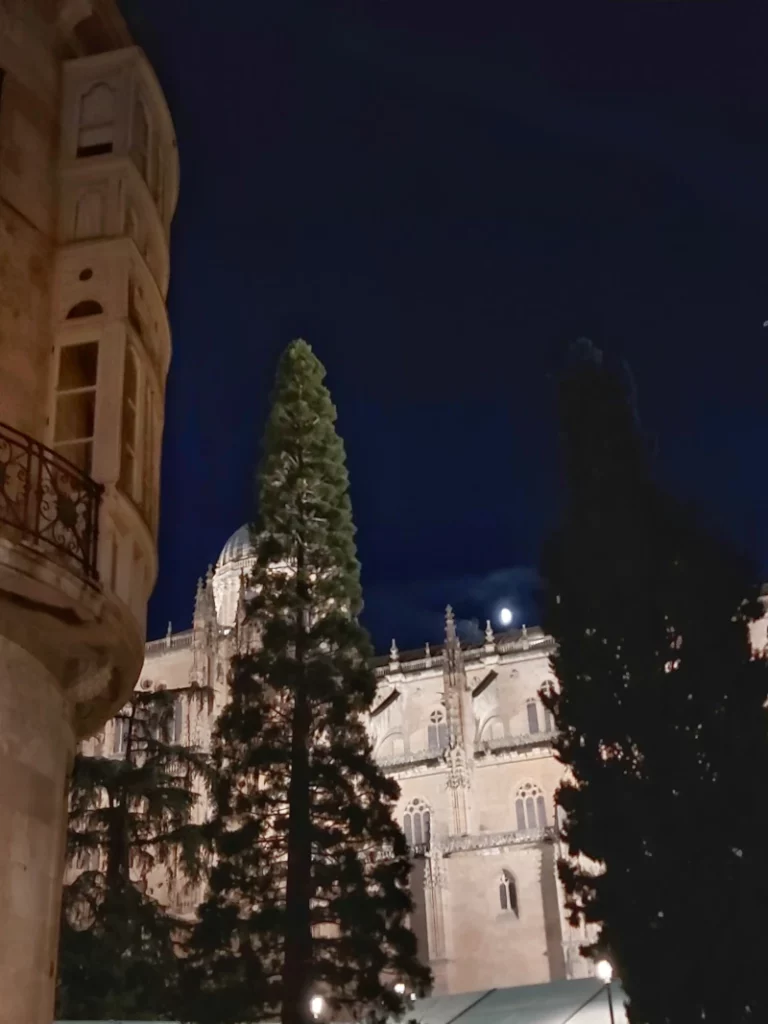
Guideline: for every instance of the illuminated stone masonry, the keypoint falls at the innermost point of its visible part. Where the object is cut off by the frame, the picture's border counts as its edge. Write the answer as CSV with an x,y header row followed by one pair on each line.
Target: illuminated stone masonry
x,y
463,731
88,187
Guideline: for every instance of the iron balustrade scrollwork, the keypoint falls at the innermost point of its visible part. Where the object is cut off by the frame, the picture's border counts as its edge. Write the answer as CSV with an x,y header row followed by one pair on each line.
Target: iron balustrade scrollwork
x,y
49,500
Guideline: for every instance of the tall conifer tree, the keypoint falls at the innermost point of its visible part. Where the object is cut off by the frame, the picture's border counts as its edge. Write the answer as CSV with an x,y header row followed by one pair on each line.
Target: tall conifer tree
x,y
309,892
130,812
660,704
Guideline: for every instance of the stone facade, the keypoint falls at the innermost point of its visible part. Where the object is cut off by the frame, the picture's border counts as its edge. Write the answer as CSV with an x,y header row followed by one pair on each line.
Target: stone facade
x,y
463,731
88,186
466,736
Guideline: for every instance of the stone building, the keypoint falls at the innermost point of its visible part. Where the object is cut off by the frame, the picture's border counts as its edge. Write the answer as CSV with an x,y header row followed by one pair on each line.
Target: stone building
x,y
464,733
88,187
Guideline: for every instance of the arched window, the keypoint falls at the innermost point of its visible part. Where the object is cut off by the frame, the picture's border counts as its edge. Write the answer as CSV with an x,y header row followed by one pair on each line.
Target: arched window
x,y
530,808
549,718
493,729
437,730
391,746
97,121
508,894
533,716
417,825
88,307
120,735
178,721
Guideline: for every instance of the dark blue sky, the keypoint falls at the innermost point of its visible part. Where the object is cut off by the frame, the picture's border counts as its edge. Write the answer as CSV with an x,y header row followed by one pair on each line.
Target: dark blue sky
x,y
436,201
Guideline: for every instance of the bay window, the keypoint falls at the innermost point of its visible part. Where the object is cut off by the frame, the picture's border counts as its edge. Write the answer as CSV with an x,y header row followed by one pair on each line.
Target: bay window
x,y
75,402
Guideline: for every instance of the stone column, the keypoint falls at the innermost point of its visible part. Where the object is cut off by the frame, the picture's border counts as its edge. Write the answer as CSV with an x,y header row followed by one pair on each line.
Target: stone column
x,y
36,748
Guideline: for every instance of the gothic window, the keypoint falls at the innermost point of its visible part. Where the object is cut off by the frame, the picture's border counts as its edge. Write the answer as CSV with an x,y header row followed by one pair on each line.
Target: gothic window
x,y
493,729
533,716
530,809
75,411
417,825
120,735
391,746
437,730
178,721
508,894
549,719
97,121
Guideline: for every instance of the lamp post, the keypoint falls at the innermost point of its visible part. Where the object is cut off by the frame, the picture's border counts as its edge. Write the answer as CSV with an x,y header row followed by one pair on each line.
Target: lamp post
x,y
604,971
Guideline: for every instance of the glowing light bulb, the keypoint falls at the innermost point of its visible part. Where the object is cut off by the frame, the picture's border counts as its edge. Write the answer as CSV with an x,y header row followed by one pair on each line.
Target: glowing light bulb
x,y
604,971
400,988
505,616
316,1004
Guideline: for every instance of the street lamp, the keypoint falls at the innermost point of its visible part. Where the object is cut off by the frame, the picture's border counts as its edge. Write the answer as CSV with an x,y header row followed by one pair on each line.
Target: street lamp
x,y
400,988
316,1006
604,971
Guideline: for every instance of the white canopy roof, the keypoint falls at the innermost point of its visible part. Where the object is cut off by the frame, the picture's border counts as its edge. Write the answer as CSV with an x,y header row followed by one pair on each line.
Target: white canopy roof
x,y
584,1002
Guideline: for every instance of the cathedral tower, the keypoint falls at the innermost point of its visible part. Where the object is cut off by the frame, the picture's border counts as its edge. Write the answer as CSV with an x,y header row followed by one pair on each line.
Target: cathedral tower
x,y
88,187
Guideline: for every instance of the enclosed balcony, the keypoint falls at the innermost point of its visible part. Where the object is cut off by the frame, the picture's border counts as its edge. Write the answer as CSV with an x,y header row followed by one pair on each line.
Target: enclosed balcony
x,y
47,503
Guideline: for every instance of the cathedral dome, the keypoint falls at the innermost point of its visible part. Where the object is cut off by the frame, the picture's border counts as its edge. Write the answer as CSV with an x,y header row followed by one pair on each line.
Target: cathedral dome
x,y
233,567
238,547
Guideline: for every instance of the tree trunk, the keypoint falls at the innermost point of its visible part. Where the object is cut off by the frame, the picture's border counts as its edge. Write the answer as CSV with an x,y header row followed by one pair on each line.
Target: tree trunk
x,y
297,964
297,967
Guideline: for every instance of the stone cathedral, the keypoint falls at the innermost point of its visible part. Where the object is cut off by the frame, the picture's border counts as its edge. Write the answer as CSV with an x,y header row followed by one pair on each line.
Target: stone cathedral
x,y
465,735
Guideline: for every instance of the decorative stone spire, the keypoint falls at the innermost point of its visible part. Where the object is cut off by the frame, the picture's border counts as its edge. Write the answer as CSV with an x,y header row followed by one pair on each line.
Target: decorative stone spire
x,y
524,638
428,656
451,637
394,658
168,635
459,756
490,641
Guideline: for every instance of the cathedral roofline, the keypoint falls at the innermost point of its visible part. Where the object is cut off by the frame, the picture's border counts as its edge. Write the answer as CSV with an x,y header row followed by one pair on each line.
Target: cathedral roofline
x,y
409,661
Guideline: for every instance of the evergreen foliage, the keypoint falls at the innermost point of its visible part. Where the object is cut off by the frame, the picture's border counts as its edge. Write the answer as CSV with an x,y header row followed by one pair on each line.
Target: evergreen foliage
x,y
660,704
119,947
309,893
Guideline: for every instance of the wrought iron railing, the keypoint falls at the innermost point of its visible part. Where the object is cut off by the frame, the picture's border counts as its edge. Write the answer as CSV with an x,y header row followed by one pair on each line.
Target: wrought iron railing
x,y
49,500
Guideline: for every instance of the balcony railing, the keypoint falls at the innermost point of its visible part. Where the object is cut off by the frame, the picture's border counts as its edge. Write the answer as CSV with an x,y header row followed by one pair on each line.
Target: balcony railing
x,y
49,500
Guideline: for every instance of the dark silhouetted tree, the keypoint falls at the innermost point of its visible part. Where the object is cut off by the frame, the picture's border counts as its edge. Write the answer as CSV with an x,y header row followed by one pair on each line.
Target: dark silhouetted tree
x,y
309,893
660,703
129,813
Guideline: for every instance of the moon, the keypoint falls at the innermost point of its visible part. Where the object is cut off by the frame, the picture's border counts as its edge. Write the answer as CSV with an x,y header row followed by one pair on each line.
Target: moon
x,y
505,616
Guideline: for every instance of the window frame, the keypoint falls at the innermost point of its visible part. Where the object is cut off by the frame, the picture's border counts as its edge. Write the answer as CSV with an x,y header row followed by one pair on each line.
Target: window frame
x,y
532,710
437,730
530,808
417,825
509,903
70,340
97,129
144,478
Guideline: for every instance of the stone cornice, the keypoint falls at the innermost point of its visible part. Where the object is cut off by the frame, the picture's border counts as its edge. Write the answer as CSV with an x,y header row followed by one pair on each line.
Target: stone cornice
x,y
494,840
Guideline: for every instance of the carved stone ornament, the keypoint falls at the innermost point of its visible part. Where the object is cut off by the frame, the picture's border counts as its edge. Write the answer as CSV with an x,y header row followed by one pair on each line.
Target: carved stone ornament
x,y
492,840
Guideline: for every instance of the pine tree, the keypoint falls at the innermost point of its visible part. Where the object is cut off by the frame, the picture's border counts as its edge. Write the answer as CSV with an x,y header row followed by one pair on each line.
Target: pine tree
x,y
660,705
119,947
309,894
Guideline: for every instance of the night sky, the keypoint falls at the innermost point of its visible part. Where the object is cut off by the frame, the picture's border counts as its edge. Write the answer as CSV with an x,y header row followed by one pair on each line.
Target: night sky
x,y
436,202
